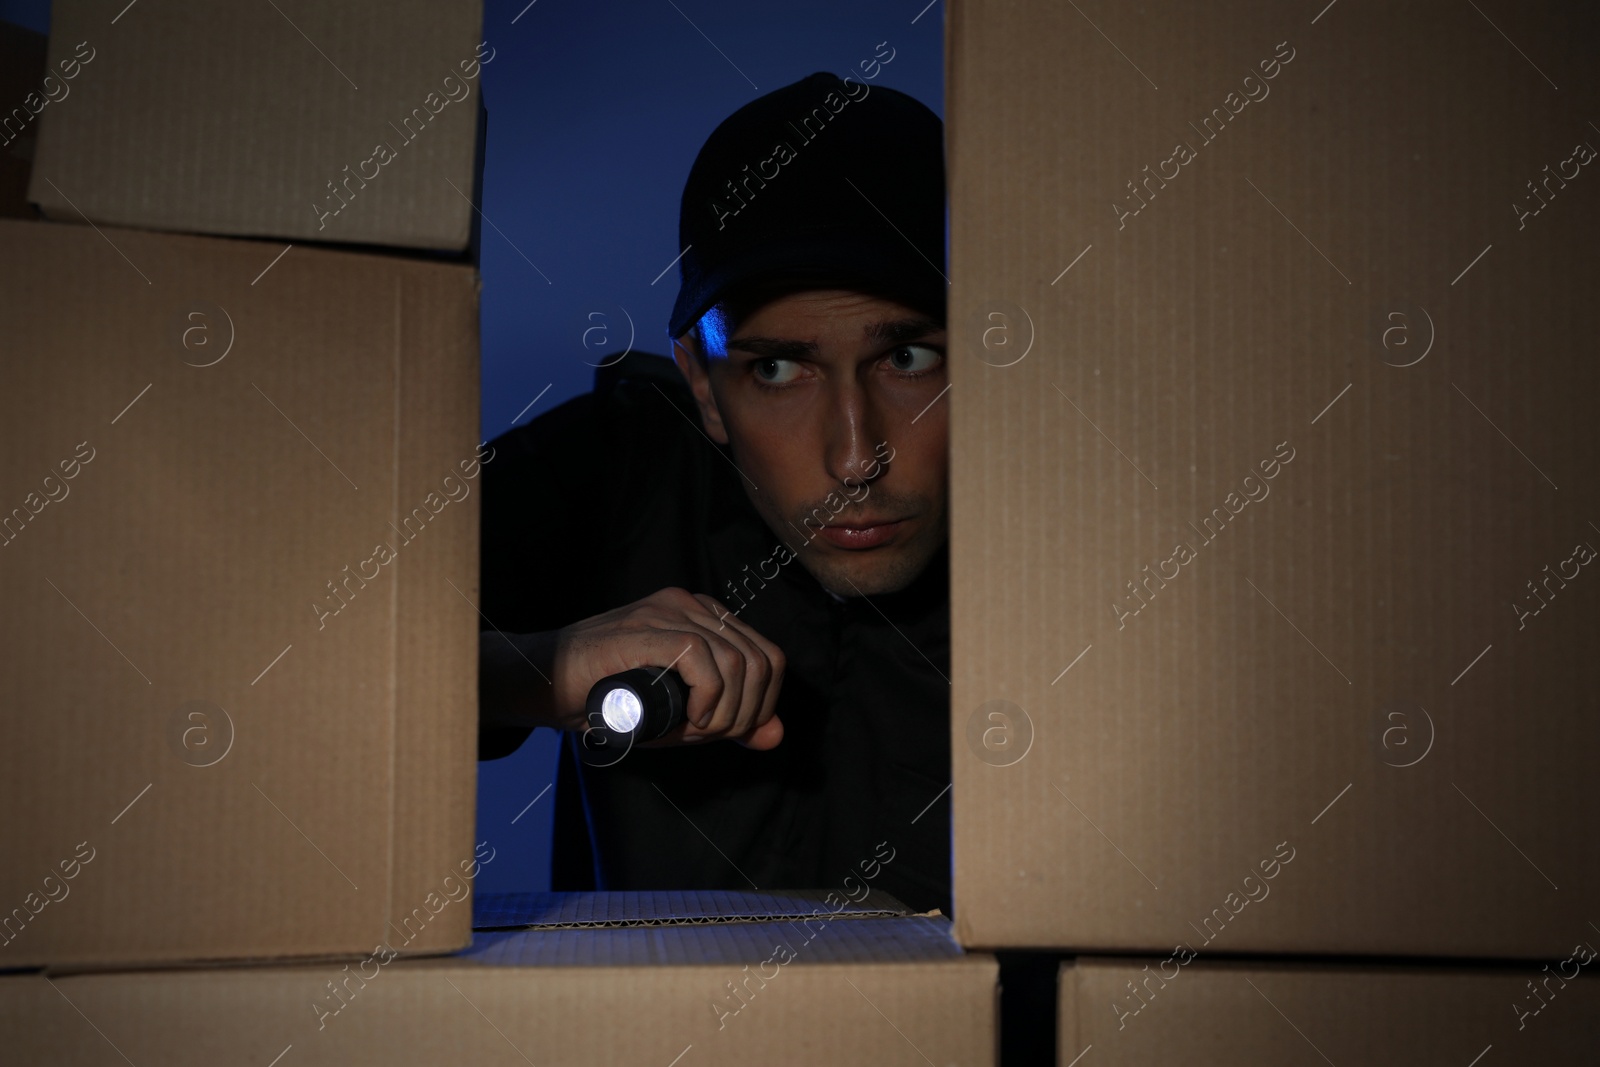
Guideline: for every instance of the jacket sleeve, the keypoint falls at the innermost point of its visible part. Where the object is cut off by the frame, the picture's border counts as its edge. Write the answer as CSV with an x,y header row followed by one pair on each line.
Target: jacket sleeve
x,y
559,493
543,494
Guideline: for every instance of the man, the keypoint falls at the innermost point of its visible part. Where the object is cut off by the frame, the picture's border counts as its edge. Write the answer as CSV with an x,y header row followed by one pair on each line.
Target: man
x,y
767,518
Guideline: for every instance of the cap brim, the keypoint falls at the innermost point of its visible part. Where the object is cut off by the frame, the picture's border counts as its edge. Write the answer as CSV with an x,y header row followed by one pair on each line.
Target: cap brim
x,y
830,259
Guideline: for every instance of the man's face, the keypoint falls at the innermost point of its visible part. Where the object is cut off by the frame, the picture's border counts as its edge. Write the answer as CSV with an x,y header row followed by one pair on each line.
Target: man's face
x,y
830,401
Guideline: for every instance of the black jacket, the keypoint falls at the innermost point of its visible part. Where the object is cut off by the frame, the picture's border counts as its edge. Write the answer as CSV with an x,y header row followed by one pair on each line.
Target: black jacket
x,y
617,494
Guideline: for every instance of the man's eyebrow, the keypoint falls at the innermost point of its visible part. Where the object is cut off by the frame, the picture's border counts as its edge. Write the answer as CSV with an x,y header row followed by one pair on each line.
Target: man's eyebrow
x,y
773,347
899,331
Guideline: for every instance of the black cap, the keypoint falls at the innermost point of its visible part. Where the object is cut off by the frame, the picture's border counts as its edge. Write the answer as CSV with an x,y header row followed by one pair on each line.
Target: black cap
x,y
829,178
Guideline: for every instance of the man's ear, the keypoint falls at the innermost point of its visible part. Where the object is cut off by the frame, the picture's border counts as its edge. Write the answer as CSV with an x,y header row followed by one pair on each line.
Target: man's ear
x,y
692,365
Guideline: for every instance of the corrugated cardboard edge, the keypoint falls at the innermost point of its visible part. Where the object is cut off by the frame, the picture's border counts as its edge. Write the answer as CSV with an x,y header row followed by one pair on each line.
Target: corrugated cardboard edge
x,y
695,920
897,939
954,67
688,907
436,626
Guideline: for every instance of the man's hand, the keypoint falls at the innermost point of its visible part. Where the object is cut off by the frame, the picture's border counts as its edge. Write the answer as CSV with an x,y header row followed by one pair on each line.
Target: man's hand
x,y
733,673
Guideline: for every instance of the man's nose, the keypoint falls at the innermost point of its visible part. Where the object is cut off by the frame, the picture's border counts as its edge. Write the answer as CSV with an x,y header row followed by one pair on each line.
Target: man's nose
x,y
854,429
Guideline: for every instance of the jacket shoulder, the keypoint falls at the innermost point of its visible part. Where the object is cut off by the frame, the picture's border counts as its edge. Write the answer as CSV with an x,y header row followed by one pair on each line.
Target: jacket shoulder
x,y
634,395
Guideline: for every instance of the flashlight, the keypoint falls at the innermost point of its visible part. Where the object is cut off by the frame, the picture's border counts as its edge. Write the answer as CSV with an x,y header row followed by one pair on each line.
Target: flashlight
x,y
638,705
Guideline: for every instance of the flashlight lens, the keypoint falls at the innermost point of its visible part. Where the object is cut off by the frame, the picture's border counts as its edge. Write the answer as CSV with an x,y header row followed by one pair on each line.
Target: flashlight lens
x,y
621,710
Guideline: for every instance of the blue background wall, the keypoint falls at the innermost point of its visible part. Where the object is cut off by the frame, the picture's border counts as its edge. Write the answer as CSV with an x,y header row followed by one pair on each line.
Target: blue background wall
x,y
596,111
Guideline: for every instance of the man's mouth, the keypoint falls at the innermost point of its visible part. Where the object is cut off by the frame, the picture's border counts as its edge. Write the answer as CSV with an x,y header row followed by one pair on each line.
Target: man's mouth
x,y
862,535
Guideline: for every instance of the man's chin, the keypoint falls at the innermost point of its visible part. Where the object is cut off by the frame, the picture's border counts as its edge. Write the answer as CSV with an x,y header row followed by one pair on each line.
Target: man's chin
x,y
867,573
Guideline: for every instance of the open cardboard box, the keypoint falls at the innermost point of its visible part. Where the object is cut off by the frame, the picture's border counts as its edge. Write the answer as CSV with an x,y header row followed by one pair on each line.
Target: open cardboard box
x,y
654,978
238,554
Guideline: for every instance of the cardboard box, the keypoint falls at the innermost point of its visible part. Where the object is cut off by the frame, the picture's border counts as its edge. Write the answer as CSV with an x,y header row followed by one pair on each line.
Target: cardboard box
x,y
342,123
842,990
25,94
234,726
1220,1014
1263,384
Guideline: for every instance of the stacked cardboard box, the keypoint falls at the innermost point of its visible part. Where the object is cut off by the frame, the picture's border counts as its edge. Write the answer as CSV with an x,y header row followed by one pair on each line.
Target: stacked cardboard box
x,y
713,978
1135,1013
1273,507
240,690
353,123
240,533
1270,539
239,556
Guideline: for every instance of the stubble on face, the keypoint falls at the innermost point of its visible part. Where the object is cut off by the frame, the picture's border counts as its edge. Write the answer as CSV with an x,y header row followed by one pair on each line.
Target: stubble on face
x,y
868,572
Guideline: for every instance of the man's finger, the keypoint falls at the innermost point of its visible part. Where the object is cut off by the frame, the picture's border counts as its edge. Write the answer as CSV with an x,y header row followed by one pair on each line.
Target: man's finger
x,y
756,672
689,653
764,686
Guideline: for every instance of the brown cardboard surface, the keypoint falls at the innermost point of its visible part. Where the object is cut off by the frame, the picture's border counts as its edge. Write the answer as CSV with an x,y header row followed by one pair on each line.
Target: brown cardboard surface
x,y
1341,333
24,94
241,119
853,991
1226,1014
210,752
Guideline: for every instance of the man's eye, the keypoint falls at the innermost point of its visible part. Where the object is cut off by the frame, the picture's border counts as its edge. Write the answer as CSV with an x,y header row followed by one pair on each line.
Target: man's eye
x,y
910,359
777,371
